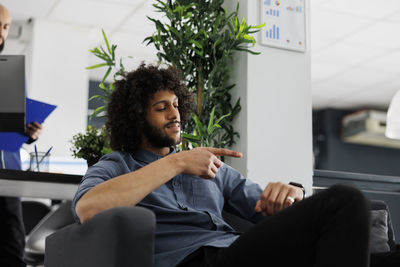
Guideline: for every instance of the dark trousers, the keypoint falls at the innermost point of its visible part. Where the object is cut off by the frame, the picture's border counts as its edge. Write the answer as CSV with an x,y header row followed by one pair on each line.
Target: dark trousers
x,y
12,233
386,259
330,228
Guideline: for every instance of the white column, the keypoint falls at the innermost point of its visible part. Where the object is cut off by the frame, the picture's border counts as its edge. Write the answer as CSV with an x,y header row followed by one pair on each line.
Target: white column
x,y
275,123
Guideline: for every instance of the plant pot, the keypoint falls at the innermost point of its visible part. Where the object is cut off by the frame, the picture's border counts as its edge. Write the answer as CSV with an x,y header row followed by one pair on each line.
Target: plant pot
x,y
92,161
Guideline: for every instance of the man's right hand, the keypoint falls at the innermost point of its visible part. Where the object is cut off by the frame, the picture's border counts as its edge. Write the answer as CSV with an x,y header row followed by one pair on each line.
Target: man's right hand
x,y
203,161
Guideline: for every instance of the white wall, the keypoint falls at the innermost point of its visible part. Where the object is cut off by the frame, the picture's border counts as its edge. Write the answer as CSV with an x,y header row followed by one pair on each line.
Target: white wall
x,y
57,57
275,123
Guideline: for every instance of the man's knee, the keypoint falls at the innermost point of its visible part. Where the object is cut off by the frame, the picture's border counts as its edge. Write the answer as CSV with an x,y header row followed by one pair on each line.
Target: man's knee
x,y
347,192
350,198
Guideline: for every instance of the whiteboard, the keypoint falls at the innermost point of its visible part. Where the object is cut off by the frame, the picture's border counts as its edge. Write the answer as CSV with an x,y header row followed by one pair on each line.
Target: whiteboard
x,y
284,24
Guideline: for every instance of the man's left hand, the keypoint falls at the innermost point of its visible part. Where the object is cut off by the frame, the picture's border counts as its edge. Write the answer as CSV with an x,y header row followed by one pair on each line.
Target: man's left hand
x,y
33,130
276,197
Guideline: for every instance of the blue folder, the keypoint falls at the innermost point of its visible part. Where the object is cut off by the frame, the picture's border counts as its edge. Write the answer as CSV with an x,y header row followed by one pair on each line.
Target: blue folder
x,y
36,111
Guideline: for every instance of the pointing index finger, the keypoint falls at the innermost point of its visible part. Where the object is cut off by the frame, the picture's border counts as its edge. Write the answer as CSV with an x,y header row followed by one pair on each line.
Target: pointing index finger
x,y
225,152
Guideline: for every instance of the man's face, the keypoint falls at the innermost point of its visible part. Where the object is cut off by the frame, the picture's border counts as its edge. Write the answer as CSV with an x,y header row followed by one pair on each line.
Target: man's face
x,y
5,22
162,126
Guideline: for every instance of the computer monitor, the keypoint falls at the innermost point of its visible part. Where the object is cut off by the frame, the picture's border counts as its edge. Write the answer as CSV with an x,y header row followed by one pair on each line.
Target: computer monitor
x,y
12,93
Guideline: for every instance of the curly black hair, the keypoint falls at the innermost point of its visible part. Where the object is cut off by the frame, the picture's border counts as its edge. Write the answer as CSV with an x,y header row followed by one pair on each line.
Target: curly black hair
x,y
126,111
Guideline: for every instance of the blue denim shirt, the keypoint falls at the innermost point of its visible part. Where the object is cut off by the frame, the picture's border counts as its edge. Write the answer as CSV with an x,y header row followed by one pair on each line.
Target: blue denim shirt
x,y
188,208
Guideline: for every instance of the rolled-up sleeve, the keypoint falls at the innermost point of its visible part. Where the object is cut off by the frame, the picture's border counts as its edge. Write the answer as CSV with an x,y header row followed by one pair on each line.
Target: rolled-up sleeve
x,y
108,167
241,194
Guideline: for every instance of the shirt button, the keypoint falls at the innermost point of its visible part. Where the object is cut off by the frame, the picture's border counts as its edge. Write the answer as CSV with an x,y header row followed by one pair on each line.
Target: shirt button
x,y
176,183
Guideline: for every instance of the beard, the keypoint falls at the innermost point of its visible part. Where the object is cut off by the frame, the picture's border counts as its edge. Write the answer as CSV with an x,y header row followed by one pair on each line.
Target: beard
x,y
157,138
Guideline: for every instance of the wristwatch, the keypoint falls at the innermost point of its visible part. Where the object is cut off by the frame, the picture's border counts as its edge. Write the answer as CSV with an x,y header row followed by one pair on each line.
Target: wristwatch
x,y
299,186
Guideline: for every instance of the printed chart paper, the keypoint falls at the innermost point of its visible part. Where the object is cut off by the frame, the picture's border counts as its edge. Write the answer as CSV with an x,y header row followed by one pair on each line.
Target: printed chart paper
x,y
284,24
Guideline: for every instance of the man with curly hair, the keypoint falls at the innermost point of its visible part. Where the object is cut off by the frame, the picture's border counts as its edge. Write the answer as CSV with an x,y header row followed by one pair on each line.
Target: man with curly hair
x,y
188,190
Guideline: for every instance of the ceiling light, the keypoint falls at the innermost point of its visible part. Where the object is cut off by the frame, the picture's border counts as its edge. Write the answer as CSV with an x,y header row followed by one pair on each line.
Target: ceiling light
x,y
393,118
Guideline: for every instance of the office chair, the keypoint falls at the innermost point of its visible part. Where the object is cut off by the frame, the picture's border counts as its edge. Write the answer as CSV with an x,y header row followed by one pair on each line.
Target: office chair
x,y
33,212
59,216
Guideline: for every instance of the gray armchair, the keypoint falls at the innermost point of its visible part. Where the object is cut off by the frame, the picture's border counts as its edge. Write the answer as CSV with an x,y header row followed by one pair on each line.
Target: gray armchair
x,y
124,237
118,237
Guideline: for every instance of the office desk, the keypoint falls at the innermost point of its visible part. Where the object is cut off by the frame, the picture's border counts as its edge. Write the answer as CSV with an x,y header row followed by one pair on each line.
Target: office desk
x,y
38,184
365,182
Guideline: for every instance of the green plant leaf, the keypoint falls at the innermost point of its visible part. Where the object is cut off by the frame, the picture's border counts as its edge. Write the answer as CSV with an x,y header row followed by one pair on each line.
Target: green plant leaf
x,y
197,44
190,6
248,51
210,127
191,137
94,50
99,96
98,110
106,74
174,31
113,48
106,41
258,26
199,125
242,26
188,15
179,10
103,86
97,66
221,118
199,52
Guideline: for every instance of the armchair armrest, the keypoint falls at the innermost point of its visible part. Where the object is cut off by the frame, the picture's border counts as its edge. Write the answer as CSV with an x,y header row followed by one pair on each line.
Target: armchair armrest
x,y
122,236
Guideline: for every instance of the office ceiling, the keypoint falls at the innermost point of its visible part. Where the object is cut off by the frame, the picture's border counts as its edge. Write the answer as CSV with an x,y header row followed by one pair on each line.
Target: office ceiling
x,y
124,22
355,44
355,51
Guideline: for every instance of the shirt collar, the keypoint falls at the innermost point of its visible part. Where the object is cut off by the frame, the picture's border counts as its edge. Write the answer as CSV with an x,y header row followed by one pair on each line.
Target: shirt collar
x,y
148,156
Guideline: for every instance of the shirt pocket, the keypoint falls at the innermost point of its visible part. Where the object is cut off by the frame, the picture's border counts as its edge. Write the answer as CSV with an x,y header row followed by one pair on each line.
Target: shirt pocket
x,y
206,195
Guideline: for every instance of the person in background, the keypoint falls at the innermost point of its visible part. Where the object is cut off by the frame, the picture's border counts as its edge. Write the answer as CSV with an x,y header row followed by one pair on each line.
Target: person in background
x,y
5,23
12,231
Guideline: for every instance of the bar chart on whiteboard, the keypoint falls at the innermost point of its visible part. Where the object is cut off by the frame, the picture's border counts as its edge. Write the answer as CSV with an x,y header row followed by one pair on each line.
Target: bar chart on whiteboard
x,y
284,24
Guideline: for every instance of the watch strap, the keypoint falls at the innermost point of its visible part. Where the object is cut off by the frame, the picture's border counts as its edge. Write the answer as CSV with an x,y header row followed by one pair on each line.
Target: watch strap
x,y
299,186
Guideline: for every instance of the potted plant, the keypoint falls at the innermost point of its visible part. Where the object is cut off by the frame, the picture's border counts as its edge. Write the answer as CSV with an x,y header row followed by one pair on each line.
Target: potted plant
x,y
91,145
200,38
